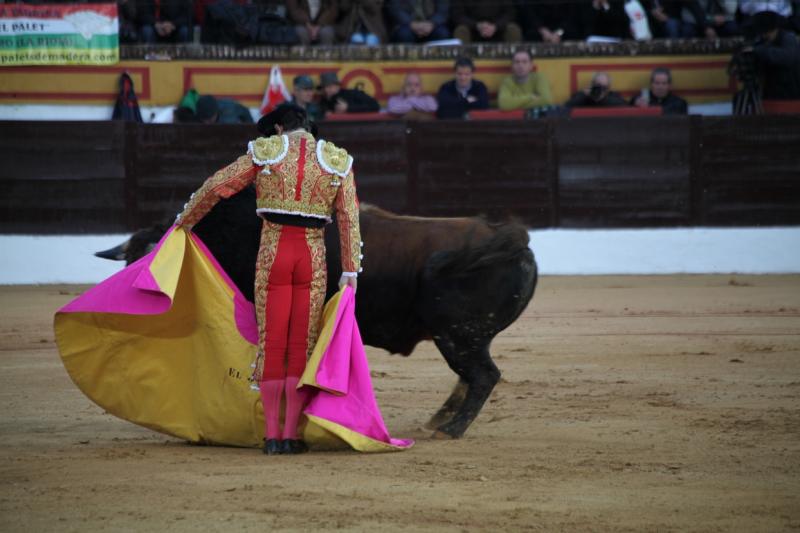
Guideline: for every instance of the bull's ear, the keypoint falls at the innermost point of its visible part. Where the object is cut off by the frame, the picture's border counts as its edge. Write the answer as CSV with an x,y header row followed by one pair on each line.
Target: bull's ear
x,y
116,253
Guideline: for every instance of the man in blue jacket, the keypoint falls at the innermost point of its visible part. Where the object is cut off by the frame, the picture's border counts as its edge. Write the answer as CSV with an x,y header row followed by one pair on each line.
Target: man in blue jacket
x,y
463,94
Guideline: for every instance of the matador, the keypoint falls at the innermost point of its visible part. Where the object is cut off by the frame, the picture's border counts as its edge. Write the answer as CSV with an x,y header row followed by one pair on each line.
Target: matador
x,y
300,181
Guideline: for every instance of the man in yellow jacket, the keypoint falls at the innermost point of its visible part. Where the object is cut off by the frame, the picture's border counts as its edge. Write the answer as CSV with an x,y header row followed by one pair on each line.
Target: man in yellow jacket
x,y
524,89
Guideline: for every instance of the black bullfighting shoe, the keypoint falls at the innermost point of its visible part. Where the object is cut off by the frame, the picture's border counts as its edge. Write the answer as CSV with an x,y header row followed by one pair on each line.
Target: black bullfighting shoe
x,y
293,446
272,446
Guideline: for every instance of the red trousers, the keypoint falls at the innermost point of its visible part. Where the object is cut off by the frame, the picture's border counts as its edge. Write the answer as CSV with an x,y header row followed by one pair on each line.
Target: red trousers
x,y
289,295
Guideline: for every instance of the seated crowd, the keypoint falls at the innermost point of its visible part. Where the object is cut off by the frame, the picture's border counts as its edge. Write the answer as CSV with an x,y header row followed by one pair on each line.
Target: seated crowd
x,y
374,22
774,52
523,91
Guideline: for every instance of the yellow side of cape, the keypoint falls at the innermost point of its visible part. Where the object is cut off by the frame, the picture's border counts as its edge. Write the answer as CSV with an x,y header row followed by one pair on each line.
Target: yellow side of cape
x,y
183,372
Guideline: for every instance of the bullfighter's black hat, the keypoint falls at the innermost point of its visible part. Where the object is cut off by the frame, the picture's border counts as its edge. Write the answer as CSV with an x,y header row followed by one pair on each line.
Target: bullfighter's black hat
x,y
266,124
328,78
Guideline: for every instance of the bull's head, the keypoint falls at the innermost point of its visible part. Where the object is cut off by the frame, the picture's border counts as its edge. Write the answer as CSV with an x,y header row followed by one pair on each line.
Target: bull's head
x,y
140,244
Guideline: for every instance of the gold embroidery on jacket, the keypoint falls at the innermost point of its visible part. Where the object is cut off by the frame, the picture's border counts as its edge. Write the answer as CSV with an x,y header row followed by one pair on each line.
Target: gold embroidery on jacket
x,y
347,218
334,159
224,183
268,150
277,190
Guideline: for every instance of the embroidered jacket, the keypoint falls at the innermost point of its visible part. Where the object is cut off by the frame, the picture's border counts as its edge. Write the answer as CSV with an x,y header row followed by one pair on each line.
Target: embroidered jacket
x,y
293,174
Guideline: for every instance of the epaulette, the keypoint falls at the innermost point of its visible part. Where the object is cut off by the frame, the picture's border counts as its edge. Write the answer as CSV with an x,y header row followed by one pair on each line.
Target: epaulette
x,y
334,159
268,150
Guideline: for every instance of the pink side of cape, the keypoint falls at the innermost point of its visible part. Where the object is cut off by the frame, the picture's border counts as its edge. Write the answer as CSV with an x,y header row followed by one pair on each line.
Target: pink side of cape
x,y
344,368
134,291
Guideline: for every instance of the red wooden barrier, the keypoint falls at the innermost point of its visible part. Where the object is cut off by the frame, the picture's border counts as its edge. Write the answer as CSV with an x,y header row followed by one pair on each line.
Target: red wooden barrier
x,y
782,107
496,114
355,117
582,112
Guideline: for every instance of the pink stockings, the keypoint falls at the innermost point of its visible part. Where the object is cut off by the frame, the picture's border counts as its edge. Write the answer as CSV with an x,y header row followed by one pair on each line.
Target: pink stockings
x,y
271,392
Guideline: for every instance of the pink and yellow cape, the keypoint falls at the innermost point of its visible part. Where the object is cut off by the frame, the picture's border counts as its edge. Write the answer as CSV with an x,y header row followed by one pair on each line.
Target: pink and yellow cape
x,y
167,343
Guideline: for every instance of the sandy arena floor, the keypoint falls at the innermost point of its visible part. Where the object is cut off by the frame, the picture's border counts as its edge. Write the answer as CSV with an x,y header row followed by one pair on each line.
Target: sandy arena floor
x,y
627,404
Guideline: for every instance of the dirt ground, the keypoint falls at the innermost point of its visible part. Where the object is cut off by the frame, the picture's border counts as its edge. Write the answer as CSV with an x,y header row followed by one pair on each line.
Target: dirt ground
x,y
627,404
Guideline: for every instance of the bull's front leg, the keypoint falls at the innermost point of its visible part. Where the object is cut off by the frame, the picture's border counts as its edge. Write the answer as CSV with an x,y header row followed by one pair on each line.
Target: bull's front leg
x,y
477,371
448,410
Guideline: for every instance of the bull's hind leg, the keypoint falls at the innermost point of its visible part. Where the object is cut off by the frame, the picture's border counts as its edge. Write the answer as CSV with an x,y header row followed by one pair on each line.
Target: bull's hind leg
x,y
450,406
477,371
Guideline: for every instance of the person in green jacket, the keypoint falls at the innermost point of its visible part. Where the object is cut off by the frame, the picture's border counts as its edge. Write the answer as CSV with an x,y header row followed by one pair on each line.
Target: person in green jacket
x,y
524,89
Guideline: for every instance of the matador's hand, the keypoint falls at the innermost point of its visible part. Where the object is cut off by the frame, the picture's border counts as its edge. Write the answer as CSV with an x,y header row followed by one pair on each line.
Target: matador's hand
x,y
348,280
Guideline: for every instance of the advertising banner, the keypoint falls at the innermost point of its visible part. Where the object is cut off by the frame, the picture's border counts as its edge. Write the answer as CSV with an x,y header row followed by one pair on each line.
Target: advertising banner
x,y
77,34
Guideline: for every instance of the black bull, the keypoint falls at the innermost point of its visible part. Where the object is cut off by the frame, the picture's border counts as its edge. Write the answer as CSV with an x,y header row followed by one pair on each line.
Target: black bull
x,y
457,281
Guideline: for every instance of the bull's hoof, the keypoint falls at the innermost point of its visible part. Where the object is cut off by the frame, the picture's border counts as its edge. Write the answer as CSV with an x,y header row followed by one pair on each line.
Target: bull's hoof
x,y
441,435
440,418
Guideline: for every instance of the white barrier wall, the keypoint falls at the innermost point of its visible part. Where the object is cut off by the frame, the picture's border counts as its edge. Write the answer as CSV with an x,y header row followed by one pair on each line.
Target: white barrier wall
x,y
69,259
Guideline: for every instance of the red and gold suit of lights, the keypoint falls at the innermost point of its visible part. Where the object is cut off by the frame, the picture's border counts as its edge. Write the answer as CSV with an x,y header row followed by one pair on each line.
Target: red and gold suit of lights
x,y
294,174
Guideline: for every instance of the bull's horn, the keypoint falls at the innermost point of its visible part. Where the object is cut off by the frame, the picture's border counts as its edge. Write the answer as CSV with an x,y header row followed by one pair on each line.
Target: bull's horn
x,y
116,253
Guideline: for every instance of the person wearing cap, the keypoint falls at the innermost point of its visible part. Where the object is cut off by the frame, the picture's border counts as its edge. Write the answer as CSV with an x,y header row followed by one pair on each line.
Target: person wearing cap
x,y
300,182
338,100
303,96
211,110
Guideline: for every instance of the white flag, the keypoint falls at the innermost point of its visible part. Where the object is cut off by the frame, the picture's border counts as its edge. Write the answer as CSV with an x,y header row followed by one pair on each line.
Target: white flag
x,y
638,18
276,92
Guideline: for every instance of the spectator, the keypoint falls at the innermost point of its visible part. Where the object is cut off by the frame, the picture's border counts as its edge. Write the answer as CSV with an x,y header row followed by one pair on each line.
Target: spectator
x,y
411,102
668,20
418,21
601,18
485,21
313,20
463,94
546,22
165,21
720,17
239,22
127,21
598,94
660,94
303,96
777,57
361,22
211,110
524,89
750,7
788,11
338,100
